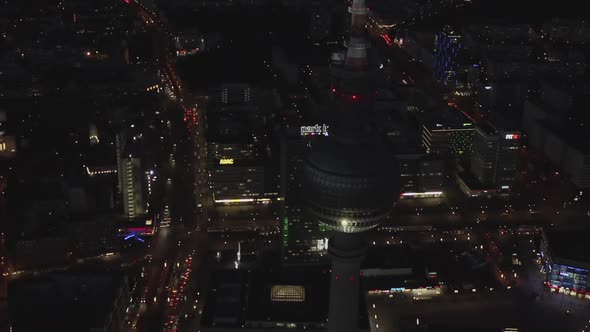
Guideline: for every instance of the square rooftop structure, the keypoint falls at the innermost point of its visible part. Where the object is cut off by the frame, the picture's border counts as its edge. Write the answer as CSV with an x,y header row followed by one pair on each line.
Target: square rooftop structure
x,y
287,300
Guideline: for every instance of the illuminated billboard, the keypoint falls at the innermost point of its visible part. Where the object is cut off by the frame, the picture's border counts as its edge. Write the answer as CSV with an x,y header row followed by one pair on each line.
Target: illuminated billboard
x,y
315,130
226,161
512,136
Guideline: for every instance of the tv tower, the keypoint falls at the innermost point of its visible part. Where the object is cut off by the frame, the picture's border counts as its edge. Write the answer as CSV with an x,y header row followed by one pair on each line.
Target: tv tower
x,y
350,177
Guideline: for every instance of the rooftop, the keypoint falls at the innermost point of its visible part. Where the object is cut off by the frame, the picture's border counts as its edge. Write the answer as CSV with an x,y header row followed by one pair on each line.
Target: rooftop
x,y
234,126
574,137
225,299
271,298
471,181
312,308
487,128
63,301
571,245
391,257
447,117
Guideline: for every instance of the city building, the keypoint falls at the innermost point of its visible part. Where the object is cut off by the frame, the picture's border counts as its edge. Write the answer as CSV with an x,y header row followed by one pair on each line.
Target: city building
x,y
7,141
320,21
287,300
286,67
237,172
70,301
456,67
41,253
573,31
494,156
566,263
419,45
447,49
303,240
487,36
398,268
222,153
131,184
7,146
447,131
387,14
422,175
563,144
238,153
236,94
236,181
503,53
188,43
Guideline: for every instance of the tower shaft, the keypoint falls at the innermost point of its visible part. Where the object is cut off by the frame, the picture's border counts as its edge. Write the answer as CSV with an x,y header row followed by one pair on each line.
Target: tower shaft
x,y
347,251
351,176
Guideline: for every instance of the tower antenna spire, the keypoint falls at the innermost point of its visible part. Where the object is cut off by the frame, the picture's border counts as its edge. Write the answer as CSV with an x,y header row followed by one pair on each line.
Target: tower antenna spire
x,y
357,44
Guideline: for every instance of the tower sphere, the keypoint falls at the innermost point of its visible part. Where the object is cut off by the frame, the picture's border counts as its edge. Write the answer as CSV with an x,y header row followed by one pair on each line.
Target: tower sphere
x,y
350,186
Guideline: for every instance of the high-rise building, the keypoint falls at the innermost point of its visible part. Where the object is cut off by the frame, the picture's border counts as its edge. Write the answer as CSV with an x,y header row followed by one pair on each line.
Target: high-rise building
x,y
563,145
304,241
131,179
350,177
494,156
447,132
320,21
237,151
134,203
447,48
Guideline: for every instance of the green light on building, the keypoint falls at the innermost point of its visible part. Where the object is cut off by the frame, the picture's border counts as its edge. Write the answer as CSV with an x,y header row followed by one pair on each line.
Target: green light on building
x,y
285,230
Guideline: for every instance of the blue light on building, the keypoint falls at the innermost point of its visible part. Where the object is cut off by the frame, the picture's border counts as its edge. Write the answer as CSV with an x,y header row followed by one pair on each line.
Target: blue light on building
x,y
446,53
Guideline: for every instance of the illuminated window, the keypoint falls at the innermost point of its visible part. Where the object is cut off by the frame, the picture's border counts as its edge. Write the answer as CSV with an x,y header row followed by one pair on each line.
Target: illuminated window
x,y
287,293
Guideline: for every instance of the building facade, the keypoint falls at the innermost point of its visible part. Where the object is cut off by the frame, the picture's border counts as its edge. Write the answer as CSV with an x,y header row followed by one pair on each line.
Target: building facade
x,y
447,132
565,262
422,175
494,156
447,48
236,94
134,202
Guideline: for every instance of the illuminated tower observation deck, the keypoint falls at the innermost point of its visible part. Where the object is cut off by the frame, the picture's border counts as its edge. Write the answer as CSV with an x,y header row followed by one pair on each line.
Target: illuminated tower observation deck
x,y
350,178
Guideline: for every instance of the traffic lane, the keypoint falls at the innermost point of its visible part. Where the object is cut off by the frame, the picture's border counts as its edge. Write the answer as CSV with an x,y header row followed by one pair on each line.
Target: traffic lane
x,y
187,290
190,313
164,250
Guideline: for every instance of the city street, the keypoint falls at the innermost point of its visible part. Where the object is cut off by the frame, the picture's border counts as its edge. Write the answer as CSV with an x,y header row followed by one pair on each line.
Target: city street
x,y
175,253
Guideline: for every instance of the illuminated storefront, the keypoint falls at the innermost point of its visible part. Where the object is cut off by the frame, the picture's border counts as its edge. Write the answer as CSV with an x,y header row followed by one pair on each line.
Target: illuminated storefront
x,y
566,265
568,280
